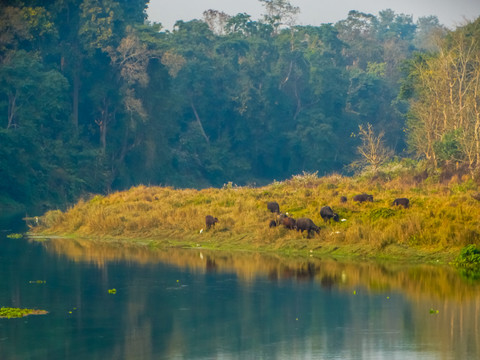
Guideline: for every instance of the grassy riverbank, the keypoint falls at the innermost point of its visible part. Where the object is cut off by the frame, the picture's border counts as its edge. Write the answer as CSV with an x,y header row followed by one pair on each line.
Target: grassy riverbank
x,y
441,219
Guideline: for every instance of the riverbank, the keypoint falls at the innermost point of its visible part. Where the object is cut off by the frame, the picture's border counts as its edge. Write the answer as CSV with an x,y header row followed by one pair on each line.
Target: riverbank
x,y
440,221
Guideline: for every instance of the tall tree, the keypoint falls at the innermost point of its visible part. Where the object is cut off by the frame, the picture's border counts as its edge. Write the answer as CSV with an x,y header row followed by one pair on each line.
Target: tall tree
x,y
444,124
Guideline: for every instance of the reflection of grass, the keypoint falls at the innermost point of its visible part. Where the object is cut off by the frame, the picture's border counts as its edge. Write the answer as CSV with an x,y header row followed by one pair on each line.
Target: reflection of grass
x,y
441,219
7,312
418,280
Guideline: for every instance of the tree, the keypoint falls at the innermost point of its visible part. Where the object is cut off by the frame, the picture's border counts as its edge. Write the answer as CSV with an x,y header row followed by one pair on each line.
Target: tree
x,y
372,149
280,13
216,20
429,34
444,93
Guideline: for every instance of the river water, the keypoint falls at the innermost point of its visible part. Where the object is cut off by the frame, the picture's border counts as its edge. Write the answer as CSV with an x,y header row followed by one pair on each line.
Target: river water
x,y
112,301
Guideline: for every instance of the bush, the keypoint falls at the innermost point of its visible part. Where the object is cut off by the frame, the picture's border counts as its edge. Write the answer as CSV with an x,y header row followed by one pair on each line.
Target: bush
x,y
468,257
469,262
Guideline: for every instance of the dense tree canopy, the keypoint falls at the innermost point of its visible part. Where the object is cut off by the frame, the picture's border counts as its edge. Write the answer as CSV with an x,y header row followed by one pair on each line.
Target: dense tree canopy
x,y
94,98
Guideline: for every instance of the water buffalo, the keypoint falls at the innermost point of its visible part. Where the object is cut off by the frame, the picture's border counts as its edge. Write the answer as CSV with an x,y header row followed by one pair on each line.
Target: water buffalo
x,y
288,222
363,197
327,213
273,207
401,201
308,225
272,223
279,218
210,221
343,199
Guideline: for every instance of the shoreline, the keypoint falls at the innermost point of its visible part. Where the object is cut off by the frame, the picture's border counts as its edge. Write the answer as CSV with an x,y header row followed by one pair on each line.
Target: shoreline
x,y
438,223
331,250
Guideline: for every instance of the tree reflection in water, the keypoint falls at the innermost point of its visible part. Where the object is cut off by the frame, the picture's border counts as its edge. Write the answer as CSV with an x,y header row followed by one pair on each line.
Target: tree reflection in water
x,y
249,302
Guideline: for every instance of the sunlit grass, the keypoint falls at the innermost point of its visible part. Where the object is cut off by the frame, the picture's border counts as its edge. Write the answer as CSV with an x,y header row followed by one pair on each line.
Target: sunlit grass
x,y
441,217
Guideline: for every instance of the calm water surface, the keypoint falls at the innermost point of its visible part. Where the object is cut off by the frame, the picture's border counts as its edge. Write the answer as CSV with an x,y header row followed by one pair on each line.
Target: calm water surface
x,y
195,304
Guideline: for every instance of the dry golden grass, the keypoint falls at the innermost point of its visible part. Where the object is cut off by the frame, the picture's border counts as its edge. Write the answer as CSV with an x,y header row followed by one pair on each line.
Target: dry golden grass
x,y
441,219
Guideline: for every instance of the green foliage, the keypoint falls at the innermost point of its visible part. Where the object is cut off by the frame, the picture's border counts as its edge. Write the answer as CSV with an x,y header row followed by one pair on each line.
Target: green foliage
x,y
448,147
14,236
93,99
381,213
468,262
465,186
469,257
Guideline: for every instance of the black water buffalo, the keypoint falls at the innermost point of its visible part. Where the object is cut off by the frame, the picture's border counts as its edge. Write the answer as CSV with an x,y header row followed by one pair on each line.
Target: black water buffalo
x,y
273,207
308,225
210,221
343,199
363,197
401,201
327,214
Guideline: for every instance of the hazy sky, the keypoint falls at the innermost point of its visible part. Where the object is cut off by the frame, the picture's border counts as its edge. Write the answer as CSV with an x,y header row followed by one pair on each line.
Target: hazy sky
x,y
314,12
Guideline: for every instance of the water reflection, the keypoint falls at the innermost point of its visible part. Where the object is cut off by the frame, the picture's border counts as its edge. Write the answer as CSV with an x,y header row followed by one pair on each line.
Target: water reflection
x,y
441,282
199,304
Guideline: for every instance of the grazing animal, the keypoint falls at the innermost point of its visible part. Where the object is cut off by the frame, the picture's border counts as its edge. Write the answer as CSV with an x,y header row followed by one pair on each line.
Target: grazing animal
x,y
279,218
272,224
327,214
363,197
343,199
210,221
401,201
273,207
289,222
308,225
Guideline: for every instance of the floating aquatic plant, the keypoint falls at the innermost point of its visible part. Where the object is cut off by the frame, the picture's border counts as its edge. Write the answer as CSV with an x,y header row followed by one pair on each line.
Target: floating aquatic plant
x,y
14,236
8,312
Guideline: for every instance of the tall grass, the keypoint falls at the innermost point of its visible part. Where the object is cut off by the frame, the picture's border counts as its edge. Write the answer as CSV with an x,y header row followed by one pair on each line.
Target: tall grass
x,y
441,217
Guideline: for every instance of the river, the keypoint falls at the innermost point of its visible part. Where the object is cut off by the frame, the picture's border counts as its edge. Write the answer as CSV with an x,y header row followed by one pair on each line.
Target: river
x,y
108,300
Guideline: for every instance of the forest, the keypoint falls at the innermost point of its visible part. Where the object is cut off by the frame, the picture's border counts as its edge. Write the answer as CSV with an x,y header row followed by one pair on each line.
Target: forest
x,y
95,98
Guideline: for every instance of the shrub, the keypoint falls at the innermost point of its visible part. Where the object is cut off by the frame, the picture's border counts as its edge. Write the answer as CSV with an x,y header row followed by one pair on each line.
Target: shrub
x,y
381,213
469,257
468,261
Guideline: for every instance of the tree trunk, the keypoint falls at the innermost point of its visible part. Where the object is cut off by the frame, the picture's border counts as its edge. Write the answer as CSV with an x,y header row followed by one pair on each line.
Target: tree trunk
x,y
103,122
12,109
76,90
199,122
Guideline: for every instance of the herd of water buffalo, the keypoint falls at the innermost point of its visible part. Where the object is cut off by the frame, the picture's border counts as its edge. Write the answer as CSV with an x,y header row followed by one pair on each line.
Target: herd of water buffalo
x,y
306,224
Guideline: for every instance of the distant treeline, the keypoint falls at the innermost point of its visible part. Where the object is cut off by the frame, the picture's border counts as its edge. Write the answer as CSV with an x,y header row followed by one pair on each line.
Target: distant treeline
x,y
94,98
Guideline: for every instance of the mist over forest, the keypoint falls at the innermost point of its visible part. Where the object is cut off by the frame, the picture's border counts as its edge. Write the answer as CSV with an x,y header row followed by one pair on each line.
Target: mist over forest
x,y
94,98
